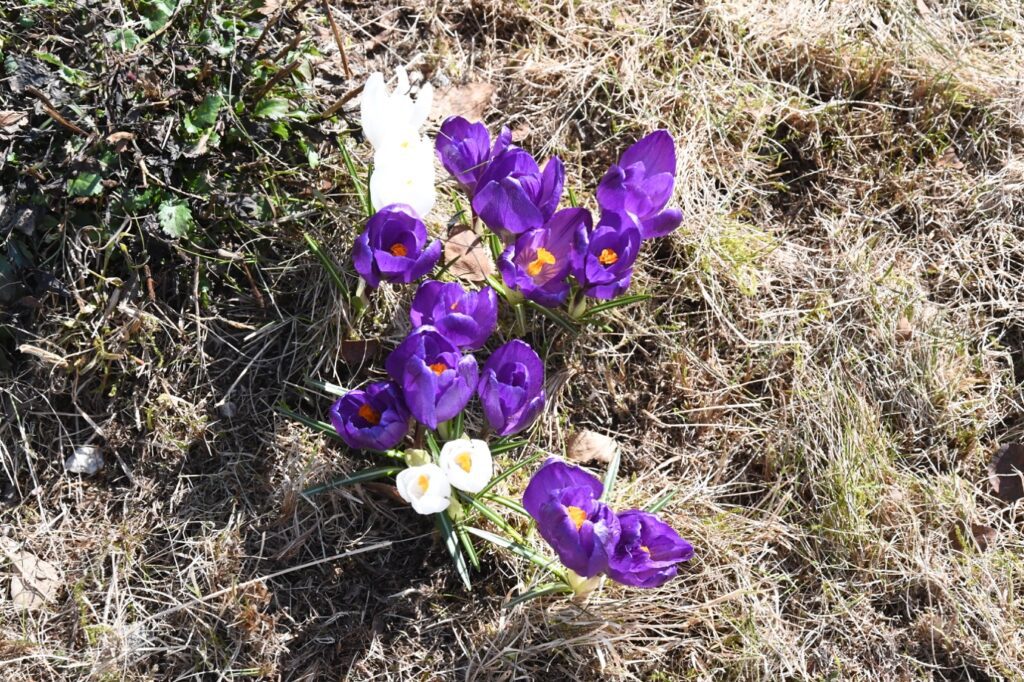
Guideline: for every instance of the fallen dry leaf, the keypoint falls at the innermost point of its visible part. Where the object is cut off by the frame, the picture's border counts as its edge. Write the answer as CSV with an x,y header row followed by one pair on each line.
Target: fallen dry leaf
x,y
980,535
590,446
950,160
469,101
35,582
1006,472
468,255
904,331
359,352
120,140
12,120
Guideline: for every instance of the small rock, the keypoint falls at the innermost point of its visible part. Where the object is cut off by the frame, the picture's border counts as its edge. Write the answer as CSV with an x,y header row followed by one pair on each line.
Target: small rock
x,y
228,409
86,460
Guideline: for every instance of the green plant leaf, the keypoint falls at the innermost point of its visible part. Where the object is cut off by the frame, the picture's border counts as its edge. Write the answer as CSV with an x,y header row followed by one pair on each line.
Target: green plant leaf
x,y
85,184
657,505
175,219
358,477
539,591
521,550
511,470
610,475
205,115
467,545
614,303
491,516
272,108
451,543
323,427
328,264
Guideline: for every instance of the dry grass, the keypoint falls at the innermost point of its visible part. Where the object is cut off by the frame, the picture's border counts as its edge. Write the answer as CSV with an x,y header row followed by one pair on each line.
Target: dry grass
x,y
831,352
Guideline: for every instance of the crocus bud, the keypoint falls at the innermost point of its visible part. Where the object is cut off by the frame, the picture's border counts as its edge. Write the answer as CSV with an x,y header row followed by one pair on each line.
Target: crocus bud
x,y
511,387
647,551
425,488
641,184
467,464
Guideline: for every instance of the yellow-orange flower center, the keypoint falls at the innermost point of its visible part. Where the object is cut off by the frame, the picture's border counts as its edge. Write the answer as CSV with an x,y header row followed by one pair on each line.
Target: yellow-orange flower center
x,y
369,414
398,250
423,482
577,515
607,257
438,367
453,306
646,549
464,460
544,257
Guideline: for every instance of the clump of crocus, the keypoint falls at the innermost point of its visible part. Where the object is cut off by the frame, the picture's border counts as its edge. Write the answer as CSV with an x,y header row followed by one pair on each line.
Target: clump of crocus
x,y
538,263
634,548
465,149
511,387
374,418
403,158
394,248
466,318
641,185
437,380
604,261
467,464
425,487
564,500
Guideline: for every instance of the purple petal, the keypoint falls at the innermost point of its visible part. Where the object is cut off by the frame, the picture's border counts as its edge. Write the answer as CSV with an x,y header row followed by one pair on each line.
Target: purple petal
x,y
553,476
657,152
662,223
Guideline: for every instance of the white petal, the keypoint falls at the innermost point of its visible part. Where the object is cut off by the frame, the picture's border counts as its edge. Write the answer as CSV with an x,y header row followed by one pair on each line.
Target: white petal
x,y
373,109
421,109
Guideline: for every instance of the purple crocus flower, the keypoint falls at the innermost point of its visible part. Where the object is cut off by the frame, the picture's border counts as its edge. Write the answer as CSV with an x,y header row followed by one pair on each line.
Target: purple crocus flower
x,y
605,256
513,196
437,380
647,552
374,418
539,260
511,387
465,149
565,502
466,318
641,183
394,248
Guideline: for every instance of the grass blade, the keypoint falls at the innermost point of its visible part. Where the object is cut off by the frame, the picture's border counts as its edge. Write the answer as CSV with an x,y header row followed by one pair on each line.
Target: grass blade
x,y
511,470
358,477
507,503
451,543
504,446
467,545
492,516
559,319
659,504
539,591
323,427
328,264
614,303
357,182
521,550
327,388
610,475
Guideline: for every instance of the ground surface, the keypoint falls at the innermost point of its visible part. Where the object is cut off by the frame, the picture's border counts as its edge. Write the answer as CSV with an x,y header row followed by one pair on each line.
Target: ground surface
x,y
831,354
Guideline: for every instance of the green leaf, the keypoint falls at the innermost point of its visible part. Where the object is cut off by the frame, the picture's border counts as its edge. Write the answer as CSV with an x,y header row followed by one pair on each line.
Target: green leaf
x,y
509,504
467,545
610,475
175,219
85,184
556,317
357,181
323,427
358,477
518,549
659,504
511,470
123,39
614,303
451,543
327,263
491,515
205,115
156,13
504,445
272,108
539,591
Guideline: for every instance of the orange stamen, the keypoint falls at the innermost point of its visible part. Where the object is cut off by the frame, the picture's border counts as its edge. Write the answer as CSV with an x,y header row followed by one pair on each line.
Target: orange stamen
x,y
646,549
577,515
607,257
398,250
369,414
454,306
464,460
544,257
423,482
438,367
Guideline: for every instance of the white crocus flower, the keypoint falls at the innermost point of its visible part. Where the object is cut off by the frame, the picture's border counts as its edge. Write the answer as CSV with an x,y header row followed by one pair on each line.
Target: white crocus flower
x,y
404,175
467,464
385,114
425,488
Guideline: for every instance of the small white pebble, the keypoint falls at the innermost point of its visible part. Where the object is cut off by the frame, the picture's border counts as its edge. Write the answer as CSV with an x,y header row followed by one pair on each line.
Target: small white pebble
x,y
86,460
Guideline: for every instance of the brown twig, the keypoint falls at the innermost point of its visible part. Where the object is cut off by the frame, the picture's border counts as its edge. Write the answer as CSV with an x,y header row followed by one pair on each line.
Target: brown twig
x,y
275,79
337,38
333,109
52,111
